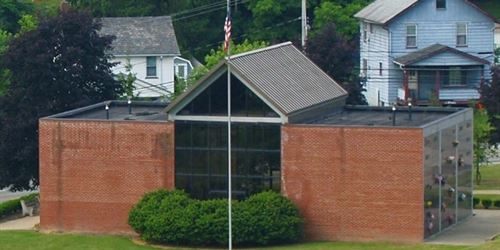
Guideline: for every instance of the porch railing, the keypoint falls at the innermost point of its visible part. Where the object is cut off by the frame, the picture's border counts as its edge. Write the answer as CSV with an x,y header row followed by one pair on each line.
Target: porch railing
x,y
458,94
449,94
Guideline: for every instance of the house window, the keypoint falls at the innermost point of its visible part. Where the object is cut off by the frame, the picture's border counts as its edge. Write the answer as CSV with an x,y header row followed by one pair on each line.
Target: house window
x,y
371,28
181,70
456,76
411,36
380,68
365,68
461,34
151,66
440,4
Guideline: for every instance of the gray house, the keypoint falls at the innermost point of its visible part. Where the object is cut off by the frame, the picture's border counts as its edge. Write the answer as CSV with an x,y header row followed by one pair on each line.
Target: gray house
x,y
149,44
425,51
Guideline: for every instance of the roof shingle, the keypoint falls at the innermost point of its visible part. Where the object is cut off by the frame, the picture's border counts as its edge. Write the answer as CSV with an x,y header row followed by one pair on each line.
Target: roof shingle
x,y
382,11
432,50
141,35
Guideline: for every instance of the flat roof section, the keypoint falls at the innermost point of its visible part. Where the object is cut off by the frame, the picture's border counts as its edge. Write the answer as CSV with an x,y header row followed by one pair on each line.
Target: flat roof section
x,y
118,110
383,116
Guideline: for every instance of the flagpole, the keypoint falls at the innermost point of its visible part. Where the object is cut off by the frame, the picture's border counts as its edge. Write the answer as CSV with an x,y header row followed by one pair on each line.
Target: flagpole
x,y
229,182
229,197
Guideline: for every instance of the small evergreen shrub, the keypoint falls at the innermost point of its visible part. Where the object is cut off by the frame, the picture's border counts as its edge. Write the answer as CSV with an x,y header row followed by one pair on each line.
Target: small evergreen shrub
x,y
172,217
475,201
497,203
486,203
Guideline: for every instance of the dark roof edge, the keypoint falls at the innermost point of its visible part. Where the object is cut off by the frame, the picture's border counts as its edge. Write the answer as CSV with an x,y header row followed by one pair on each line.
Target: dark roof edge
x,y
439,51
101,104
450,110
458,112
132,17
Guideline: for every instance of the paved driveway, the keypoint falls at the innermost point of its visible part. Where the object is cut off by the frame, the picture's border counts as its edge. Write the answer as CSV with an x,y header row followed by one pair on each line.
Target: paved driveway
x,y
474,231
24,223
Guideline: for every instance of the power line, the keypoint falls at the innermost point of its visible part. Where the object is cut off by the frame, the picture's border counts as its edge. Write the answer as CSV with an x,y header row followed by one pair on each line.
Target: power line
x,y
212,45
207,10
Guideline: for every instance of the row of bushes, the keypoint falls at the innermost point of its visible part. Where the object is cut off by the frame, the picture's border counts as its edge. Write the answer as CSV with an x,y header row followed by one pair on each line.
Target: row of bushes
x,y
485,202
172,217
13,206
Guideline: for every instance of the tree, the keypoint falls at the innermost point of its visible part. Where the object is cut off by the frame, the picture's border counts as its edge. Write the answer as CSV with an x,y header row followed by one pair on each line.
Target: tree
x,y
26,24
338,57
269,19
128,79
59,66
490,97
341,14
11,11
482,131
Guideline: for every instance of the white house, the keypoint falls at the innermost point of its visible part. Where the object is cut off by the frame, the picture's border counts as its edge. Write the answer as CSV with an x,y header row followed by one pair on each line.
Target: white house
x,y
149,44
425,51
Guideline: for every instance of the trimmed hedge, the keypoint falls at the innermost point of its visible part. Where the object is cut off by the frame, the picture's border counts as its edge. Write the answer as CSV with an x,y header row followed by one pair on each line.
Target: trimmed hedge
x,y
172,217
497,203
486,203
13,206
475,201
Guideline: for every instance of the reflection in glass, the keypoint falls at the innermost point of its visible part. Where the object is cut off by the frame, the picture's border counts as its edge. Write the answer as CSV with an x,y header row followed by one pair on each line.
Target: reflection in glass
x,y
201,158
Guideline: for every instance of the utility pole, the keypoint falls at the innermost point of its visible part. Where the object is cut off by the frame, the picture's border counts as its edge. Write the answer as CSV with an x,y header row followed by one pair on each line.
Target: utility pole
x,y
304,25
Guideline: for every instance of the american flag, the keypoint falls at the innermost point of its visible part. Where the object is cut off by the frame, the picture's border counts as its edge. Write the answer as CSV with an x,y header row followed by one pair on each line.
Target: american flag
x,y
227,29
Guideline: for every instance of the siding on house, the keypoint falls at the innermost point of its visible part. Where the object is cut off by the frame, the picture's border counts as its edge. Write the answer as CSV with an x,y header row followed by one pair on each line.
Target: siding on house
x,y
376,50
433,26
439,26
161,85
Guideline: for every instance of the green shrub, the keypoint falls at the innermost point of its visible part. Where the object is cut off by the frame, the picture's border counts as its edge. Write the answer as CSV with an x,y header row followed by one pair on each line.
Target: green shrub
x,y
172,217
497,203
13,206
475,201
267,218
486,203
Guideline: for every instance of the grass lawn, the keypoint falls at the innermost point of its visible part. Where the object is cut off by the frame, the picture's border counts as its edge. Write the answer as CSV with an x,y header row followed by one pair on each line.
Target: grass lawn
x,y
34,240
491,178
26,240
492,197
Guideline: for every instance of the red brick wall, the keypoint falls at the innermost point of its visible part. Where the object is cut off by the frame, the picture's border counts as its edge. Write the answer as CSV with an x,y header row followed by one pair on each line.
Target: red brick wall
x,y
355,184
92,172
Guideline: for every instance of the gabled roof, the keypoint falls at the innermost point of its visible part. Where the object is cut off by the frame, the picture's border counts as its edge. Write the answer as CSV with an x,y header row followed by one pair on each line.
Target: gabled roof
x,y
141,35
383,11
282,75
432,50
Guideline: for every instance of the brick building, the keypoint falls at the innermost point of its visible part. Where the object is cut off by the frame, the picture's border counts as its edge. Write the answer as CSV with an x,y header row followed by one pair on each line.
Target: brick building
x,y
356,173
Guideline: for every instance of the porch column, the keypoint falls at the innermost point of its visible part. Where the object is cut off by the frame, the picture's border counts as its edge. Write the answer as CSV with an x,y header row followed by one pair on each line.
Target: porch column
x,y
406,85
481,83
438,83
